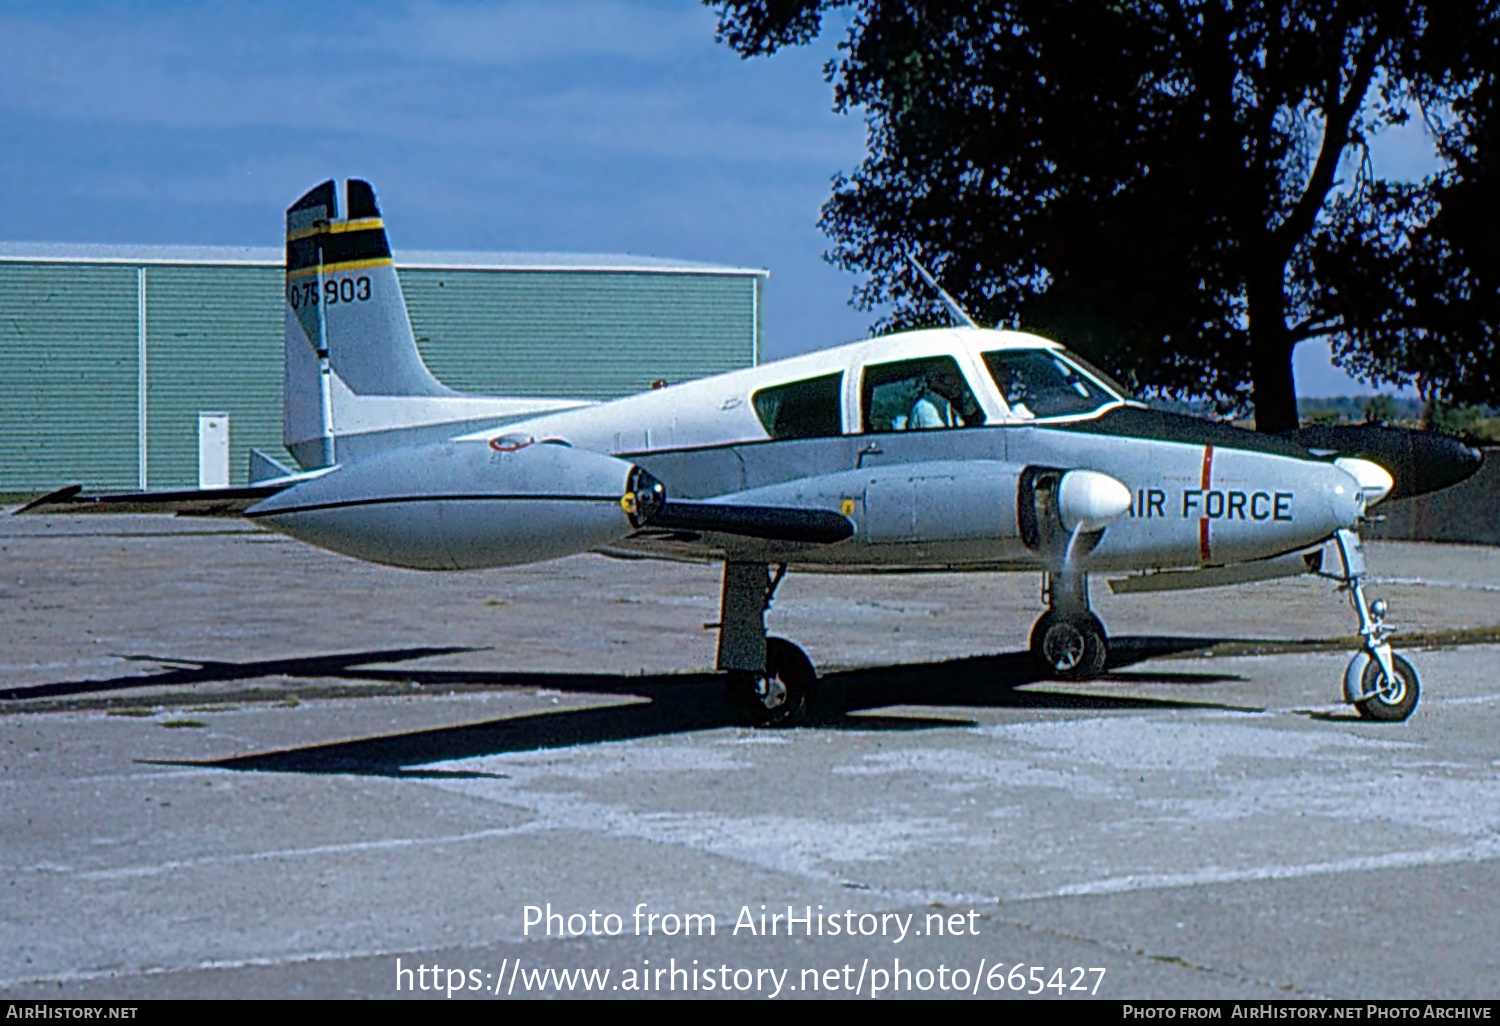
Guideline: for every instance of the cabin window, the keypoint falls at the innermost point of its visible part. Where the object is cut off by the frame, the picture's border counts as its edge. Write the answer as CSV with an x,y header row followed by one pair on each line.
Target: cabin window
x,y
802,409
915,395
1040,383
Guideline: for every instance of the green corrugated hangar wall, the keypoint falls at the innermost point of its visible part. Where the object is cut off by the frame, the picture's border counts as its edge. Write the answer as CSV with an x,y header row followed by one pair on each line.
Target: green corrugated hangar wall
x,y
72,333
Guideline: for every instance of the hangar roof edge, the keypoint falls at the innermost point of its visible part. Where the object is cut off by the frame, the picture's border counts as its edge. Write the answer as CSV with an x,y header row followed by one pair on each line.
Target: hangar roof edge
x,y
266,256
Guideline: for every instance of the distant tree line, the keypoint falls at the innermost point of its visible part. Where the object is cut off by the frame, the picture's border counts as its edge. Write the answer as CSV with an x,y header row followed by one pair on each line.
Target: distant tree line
x,y
1477,424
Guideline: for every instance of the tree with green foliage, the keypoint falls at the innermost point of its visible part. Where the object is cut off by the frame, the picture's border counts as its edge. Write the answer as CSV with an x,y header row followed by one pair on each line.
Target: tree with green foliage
x,y
1380,409
1181,190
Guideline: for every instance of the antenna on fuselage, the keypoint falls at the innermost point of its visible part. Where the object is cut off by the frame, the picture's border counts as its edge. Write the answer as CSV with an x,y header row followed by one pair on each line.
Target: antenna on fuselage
x,y
957,312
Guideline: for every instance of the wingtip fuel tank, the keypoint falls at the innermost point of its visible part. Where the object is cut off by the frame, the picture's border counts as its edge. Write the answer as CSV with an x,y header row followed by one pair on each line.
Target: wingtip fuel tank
x,y
462,505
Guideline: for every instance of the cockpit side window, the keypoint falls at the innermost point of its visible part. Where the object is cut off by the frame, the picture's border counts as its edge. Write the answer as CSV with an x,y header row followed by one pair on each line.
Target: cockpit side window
x,y
1040,383
1110,383
802,409
915,395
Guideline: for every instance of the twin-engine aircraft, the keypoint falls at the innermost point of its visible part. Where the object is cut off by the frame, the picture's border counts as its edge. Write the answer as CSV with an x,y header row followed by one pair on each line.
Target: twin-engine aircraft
x,y
942,449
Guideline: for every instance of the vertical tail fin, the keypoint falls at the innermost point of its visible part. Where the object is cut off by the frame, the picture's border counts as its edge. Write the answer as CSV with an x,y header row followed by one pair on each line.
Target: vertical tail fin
x,y
347,330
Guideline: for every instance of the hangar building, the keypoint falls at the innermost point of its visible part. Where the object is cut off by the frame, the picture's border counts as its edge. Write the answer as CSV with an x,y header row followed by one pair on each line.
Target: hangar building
x,y
108,354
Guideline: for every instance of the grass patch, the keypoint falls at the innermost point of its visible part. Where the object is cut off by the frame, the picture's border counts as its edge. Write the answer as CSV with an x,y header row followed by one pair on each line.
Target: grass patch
x,y
131,712
183,723
1417,640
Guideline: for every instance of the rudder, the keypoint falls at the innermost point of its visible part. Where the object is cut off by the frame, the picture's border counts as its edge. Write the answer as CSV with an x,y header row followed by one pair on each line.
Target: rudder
x,y
347,329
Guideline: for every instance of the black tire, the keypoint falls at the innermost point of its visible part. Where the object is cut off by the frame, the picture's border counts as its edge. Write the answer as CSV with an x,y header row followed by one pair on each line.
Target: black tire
x,y
1392,701
790,679
1069,647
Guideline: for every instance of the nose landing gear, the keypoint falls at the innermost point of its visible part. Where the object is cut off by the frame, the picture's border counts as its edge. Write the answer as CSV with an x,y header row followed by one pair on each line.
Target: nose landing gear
x,y
1377,682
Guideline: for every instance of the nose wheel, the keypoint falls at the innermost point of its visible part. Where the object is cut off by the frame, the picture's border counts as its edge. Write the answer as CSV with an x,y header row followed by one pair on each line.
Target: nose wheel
x,y
1380,684
1387,697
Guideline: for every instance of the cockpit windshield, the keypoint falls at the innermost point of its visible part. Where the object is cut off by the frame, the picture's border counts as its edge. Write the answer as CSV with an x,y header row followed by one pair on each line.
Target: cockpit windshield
x,y
1043,383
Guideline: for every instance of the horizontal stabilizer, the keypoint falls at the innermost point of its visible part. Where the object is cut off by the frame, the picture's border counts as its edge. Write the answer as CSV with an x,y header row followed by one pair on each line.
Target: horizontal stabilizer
x,y
204,502
1290,565
265,468
772,523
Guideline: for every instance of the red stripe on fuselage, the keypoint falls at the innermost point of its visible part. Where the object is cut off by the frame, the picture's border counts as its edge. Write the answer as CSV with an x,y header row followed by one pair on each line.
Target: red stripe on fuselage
x,y
1208,466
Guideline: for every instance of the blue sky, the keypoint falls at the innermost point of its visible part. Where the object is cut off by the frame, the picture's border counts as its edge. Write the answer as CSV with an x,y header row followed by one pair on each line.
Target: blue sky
x,y
568,125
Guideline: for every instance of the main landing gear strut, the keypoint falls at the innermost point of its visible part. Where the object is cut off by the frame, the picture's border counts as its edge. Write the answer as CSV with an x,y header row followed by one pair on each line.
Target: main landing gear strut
x,y
1068,642
770,680
1377,682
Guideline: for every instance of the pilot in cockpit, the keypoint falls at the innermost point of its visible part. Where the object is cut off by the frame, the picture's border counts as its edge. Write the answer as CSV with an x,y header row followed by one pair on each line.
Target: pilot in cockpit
x,y
1011,377
943,400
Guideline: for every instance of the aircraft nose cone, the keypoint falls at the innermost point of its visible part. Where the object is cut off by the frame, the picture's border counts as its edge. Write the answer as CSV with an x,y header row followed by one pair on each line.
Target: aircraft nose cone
x,y
1418,461
1436,461
1457,462
1088,500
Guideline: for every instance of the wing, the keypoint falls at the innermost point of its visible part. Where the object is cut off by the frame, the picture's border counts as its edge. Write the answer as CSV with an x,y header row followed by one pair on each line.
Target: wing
x,y
449,506
716,526
198,502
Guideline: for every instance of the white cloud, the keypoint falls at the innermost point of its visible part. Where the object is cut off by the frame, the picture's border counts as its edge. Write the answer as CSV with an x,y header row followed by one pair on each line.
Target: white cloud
x,y
434,75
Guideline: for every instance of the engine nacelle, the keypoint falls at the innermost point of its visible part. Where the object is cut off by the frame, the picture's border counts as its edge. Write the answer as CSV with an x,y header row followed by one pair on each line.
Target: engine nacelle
x,y
937,502
464,505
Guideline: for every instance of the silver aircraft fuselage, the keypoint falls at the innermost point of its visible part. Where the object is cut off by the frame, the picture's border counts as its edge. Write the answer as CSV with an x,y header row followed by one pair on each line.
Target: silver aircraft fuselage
x,y
952,497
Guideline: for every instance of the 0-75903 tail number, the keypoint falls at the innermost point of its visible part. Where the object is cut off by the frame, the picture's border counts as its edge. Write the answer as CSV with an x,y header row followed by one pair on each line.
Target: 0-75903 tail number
x,y
334,291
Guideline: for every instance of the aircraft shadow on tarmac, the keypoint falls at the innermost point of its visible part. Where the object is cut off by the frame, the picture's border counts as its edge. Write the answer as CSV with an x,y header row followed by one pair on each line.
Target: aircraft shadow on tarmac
x,y
683,703
191,671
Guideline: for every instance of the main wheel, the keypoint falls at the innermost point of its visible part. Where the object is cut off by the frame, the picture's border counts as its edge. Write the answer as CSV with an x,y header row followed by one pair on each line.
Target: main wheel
x,y
780,696
1390,700
1069,647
